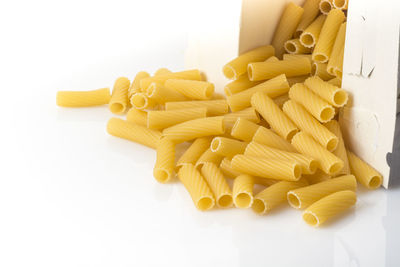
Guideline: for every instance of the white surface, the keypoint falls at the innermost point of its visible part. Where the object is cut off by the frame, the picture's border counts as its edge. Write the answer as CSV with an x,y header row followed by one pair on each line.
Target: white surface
x,y
71,195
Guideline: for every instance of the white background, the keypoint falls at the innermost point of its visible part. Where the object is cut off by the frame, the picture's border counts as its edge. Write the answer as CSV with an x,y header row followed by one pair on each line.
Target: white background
x,y
71,195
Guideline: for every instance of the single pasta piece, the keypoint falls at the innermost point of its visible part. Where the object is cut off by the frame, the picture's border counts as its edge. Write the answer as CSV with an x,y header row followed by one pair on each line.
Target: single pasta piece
x,y
297,56
274,195
83,98
298,79
197,187
243,191
318,177
209,156
318,107
306,145
323,47
141,101
288,23
271,59
288,170
192,129
273,88
162,71
303,197
308,164
320,70
340,150
311,10
266,70
335,64
331,93
186,75
269,138
218,185
161,119
135,86
199,90
161,94
133,132
240,84
280,100
274,115
227,169
294,46
249,114
328,207
196,149
336,82
214,107
364,173
340,4
119,97
165,163
227,147
244,129
310,35
238,66
325,6
137,116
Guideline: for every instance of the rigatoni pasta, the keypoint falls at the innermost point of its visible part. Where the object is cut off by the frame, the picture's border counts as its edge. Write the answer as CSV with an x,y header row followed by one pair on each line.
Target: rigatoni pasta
x,y
141,101
340,150
161,119
162,71
310,35
83,98
214,107
249,114
119,97
199,90
240,84
186,75
269,138
161,94
227,147
227,170
365,174
243,191
266,70
311,10
294,46
194,152
331,93
335,64
137,116
165,162
135,86
218,185
209,156
325,6
244,130
320,69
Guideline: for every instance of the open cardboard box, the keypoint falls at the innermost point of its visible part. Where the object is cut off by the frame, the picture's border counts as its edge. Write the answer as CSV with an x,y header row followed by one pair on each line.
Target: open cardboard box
x,y
370,72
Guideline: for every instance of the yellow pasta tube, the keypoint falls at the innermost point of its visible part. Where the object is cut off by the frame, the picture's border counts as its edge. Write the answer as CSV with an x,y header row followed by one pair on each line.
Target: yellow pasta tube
x,y
303,197
323,47
244,129
199,90
240,84
328,207
133,132
311,10
218,185
197,187
340,150
214,107
273,88
227,147
336,82
340,4
227,170
318,177
161,94
320,70
83,98
296,56
310,35
193,153
306,145
318,107
135,86
274,115
266,70
298,79
238,66
280,100
308,164
288,170
243,191
217,96
119,97
162,71
325,6
141,101
364,173
186,75
335,64
269,138
209,156
288,23
161,119
165,162
331,93
137,116
294,46
192,129
249,114
274,195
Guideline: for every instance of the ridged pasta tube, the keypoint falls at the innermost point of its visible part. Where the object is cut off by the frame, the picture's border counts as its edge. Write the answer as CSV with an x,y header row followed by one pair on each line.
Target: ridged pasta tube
x,y
340,150
269,138
320,70
280,100
336,82
238,66
192,129
335,64
165,162
162,71
244,130
133,132
294,46
119,97
310,35
296,56
197,187
318,177
186,75
240,84
303,197
141,101
227,147
274,115
199,90
249,114
209,156
161,119
267,70
135,86
325,6
214,107
328,207
137,116
364,173
227,170
331,93
306,145
243,191
340,4
311,10
218,185
288,170
83,98
193,153
298,79
161,94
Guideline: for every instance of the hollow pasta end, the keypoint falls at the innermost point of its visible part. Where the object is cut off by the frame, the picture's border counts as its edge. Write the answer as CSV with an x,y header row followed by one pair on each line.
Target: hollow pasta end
x,y
375,182
243,200
310,218
259,206
225,201
293,200
205,203
229,72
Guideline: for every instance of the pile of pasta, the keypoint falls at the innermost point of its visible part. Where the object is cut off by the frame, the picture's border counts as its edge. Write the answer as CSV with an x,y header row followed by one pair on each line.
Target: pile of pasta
x,y
276,127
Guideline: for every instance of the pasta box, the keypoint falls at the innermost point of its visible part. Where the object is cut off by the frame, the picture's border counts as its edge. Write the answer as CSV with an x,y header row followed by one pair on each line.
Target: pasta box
x,y
370,66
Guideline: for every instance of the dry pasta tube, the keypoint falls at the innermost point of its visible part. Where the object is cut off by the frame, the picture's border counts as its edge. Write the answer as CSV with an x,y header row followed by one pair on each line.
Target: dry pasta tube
x,y
280,100
161,94
294,46
340,4
320,70
135,86
318,177
311,34
83,98
209,156
274,115
238,66
328,162
298,79
364,173
161,119
162,71
137,116
218,185
267,70
269,138
328,207
249,114
336,82
227,169
325,6
274,195
264,181
340,150
227,147
214,107
278,169
244,130
119,97
288,23
273,88
217,96
243,191
303,197
311,10
197,187
187,75
296,56
141,101
165,163
133,132
196,149
331,93
335,64
192,129
199,90
240,84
